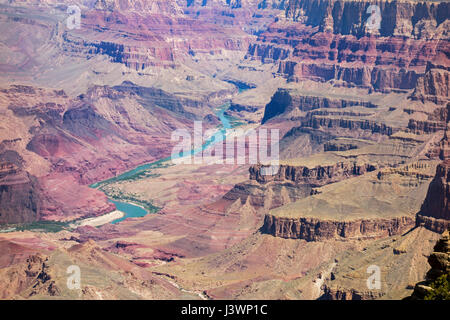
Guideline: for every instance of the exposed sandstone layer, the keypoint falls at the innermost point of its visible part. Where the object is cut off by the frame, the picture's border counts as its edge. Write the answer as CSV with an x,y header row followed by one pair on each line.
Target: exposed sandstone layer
x,y
164,40
317,122
375,206
285,100
318,229
315,177
329,40
318,114
426,126
267,195
435,84
315,106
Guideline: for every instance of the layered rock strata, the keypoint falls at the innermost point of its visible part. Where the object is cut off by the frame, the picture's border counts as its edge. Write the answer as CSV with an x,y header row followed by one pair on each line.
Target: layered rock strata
x,y
311,229
330,40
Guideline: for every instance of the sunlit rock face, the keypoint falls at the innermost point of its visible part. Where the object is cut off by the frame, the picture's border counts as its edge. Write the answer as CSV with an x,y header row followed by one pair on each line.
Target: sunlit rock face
x,y
330,41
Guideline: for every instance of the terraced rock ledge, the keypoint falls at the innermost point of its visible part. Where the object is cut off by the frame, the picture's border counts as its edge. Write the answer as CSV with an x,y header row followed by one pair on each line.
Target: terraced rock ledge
x,y
377,205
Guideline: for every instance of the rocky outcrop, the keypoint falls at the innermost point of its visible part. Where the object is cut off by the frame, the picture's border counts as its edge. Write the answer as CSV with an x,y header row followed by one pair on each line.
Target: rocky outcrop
x,y
39,272
439,261
315,177
426,126
434,86
279,104
143,6
435,212
335,146
317,122
134,57
285,101
234,4
161,98
345,208
20,192
289,183
30,277
316,229
348,294
267,196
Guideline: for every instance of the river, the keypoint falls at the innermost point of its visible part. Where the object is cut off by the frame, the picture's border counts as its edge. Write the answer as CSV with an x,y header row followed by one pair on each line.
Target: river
x,y
134,211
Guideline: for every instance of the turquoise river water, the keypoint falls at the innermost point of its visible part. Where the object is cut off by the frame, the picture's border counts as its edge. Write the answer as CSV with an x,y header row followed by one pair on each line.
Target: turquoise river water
x,y
133,211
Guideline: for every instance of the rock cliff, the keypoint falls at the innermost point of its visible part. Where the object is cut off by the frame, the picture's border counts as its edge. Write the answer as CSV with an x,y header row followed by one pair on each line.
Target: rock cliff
x,y
20,192
439,261
435,84
285,101
435,212
315,177
329,41
318,229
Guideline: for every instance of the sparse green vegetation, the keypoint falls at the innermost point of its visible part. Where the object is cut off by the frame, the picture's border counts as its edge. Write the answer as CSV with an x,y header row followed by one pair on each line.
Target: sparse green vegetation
x,y
441,288
43,226
133,175
140,175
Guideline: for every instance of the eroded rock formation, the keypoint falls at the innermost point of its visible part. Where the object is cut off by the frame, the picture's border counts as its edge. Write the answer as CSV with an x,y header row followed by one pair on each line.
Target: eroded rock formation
x,y
329,40
435,212
20,192
311,229
315,177
67,135
439,261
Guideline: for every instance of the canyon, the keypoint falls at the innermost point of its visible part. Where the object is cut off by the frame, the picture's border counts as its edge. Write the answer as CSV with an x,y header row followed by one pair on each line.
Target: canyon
x,y
87,116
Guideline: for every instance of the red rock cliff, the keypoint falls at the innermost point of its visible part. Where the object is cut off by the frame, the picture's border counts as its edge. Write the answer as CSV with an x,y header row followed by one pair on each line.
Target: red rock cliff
x,y
329,40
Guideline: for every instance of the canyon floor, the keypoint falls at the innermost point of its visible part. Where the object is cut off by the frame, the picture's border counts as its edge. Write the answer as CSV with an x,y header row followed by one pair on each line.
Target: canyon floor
x,y
88,114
